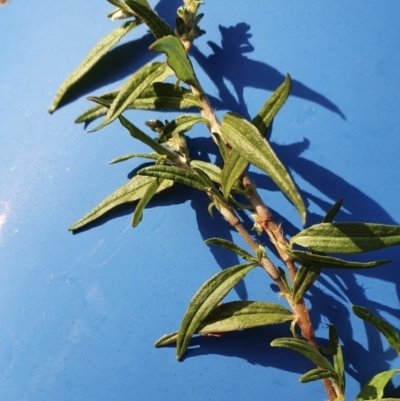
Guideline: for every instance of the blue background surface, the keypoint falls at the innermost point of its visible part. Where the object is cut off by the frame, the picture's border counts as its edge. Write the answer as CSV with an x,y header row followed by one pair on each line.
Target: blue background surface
x,y
79,313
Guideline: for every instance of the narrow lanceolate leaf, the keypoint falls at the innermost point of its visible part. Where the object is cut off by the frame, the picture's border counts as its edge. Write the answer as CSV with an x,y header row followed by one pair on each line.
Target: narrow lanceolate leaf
x,y
131,90
122,6
237,315
158,96
246,139
336,352
382,325
317,374
236,164
230,246
269,110
306,350
333,211
129,192
181,124
213,171
206,299
305,278
175,174
233,169
157,26
151,156
285,280
99,51
177,58
373,389
348,237
141,136
233,316
330,262
221,145
150,192
240,315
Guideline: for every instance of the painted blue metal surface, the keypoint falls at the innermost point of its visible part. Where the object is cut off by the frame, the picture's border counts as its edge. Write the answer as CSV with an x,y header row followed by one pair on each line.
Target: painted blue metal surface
x,y
79,313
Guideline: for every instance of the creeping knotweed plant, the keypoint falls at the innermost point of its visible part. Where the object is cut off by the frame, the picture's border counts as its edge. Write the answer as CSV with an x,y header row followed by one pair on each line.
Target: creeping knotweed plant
x,y
173,85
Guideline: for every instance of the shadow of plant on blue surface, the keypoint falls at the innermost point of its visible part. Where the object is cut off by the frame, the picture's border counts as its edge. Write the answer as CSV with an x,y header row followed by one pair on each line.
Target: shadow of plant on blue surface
x,y
228,62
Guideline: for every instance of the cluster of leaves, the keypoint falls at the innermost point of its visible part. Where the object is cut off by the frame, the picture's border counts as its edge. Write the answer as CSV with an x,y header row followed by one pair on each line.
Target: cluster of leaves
x,y
240,142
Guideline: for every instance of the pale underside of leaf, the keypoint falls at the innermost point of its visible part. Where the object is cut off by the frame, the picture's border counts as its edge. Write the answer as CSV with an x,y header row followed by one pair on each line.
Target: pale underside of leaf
x,y
348,238
236,315
129,192
382,325
206,299
246,139
306,350
99,51
374,388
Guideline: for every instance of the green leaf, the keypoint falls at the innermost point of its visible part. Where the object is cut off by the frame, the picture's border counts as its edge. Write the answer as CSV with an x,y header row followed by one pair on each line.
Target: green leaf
x,y
213,171
239,315
306,350
206,299
150,192
330,262
230,246
167,339
129,192
181,124
348,237
233,169
332,212
317,374
175,174
246,139
157,26
221,145
151,156
270,109
99,51
236,315
158,96
141,136
177,58
337,355
305,278
389,332
235,164
285,280
375,386
120,5
131,90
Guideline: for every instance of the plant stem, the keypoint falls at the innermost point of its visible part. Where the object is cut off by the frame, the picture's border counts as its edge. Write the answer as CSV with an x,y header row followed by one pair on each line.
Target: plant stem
x,y
267,223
